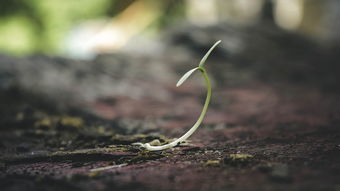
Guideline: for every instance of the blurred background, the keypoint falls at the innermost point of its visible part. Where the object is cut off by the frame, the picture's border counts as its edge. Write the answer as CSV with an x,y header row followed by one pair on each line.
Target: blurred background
x,y
83,29
111,55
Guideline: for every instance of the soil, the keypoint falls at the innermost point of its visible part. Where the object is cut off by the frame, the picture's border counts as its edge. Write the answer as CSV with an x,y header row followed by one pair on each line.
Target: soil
x,y
258,135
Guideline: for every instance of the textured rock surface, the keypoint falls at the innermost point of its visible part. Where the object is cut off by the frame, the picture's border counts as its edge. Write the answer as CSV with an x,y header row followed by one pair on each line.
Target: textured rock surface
x,y
61,119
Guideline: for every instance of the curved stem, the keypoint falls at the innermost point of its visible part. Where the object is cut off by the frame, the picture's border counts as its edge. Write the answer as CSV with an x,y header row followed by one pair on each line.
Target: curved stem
x,y
194,127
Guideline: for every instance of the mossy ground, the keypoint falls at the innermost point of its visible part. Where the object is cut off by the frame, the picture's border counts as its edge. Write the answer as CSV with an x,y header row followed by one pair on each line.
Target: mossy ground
x,y
45,149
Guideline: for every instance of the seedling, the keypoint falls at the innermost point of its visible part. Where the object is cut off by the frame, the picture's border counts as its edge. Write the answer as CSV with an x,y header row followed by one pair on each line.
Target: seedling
x,y
178,141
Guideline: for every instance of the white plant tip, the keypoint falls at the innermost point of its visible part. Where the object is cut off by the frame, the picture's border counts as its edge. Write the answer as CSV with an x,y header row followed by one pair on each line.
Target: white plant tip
x,y
186,76
208,53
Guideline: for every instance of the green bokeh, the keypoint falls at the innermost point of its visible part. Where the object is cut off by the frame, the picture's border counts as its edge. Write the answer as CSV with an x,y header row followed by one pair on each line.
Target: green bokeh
x,y
17,35
40,26
43,26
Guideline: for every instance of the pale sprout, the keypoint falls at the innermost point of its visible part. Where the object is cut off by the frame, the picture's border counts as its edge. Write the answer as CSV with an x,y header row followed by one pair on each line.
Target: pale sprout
x,y
176,142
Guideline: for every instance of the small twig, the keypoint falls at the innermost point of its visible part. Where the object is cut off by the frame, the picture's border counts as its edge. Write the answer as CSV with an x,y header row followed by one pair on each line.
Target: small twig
x,y
108,167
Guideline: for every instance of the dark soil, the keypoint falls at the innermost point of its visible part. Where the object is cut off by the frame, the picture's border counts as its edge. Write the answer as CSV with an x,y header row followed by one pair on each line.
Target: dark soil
x,y
261,134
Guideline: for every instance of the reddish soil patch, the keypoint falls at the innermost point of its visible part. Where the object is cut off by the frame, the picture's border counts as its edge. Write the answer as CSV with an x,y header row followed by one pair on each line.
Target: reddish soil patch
x,y
254,138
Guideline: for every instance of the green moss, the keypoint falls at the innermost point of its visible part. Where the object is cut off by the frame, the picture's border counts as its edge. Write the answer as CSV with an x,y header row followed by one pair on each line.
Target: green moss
x,y
71,121
212,163
241,157
238,159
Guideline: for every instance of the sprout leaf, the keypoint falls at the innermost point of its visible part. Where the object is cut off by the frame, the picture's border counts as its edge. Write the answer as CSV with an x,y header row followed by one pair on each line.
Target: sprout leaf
x,y
186,76
208,53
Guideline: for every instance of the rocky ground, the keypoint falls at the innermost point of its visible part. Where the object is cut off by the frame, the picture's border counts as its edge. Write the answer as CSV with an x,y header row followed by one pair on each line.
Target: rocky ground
x,y
273,123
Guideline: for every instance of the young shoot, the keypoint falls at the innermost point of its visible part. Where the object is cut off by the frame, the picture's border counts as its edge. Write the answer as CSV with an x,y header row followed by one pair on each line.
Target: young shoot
x,y
178,141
